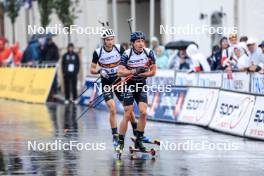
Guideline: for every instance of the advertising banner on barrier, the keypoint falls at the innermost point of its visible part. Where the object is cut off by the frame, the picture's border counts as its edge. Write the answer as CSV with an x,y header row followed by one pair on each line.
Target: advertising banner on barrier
x,y
39,86
240,82
233,112
186,79
199,106
255,128
166,105
21,79
162,77
257,83
26,83
210,80
6,78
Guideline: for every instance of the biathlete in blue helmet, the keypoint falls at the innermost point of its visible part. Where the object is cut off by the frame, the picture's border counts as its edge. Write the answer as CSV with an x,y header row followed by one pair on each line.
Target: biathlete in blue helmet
x,y
139,62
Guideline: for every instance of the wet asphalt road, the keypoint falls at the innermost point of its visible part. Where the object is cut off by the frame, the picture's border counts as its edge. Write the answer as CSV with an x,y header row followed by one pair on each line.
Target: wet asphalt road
x,y
186,150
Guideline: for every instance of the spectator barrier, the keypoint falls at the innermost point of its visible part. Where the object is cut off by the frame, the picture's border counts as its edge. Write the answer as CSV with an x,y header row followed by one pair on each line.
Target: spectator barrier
x,y
213,80
27,84
212,100
240,82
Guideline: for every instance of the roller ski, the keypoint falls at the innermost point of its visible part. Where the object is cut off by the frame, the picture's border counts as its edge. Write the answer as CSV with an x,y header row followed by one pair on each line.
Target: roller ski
x,y
140,148
147,140
144,153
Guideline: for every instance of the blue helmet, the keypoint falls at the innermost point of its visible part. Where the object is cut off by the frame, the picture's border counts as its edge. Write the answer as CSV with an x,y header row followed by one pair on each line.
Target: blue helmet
x,y
137,35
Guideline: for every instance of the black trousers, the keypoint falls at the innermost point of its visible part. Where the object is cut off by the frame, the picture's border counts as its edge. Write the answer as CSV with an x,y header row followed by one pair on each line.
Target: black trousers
x,y
70,86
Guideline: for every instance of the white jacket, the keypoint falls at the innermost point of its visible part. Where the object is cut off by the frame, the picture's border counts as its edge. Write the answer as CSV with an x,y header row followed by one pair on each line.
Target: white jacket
x,y
199,61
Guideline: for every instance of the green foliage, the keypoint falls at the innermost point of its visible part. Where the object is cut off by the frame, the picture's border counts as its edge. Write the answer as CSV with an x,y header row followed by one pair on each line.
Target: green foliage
x,y
66,11
45,9
12,8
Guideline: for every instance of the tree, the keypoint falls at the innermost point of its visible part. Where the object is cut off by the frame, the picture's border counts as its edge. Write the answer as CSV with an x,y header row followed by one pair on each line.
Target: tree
x,y
45,9
66,11
12,8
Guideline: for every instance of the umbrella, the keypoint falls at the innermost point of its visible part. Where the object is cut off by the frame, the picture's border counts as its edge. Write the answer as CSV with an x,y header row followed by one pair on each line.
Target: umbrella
x,y
179,45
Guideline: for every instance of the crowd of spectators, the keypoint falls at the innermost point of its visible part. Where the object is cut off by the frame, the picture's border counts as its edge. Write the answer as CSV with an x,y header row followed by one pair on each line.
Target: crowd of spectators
x,y
244,54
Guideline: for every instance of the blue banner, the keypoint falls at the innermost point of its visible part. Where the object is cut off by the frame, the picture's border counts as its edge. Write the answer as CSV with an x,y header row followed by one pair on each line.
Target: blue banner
x,y
166,106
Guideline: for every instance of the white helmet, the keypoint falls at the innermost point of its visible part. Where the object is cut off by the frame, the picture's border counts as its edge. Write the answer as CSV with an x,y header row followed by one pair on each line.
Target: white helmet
x,y
106,33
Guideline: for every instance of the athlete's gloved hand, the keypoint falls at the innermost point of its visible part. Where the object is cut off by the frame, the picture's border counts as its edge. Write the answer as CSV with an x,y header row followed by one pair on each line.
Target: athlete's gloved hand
x,y
138,70
103,73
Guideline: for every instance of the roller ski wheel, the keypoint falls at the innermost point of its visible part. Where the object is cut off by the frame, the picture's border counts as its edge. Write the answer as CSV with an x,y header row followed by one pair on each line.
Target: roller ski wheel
x,y
133,151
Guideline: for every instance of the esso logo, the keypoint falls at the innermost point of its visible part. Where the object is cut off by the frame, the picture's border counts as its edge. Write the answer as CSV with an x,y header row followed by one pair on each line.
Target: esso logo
x,y
194,104
227,109
259,117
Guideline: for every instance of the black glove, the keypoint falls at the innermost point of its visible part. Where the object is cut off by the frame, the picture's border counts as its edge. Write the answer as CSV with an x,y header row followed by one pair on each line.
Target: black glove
x,y
139,70
258,68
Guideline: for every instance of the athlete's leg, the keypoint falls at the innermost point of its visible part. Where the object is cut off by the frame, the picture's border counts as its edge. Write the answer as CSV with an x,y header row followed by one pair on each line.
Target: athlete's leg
x,y
128,108
143,116
108,97
112,113
133,122
125,120
112,119
133,117
120,96
141,99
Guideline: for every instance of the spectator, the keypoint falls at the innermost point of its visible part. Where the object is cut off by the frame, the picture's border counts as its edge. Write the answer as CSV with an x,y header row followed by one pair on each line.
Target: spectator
x,y
50,55
125,45
17,55
70,70
256,58
31,55
154,42
199,62
243,39
211,59
240,57
50,52
262,47
222,54
5,53
232,39
180,61
161,58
